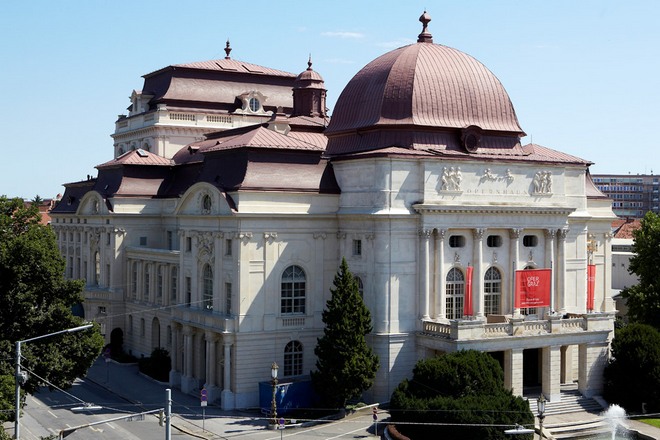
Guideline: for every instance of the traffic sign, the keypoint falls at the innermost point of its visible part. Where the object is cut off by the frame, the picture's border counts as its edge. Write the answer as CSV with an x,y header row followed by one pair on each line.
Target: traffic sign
x,y
374,410
281,422
203,396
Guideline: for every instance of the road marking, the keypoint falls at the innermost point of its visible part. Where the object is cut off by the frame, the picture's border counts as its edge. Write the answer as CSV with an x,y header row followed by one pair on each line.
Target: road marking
x,y
347,433
95,429
52,414
111,425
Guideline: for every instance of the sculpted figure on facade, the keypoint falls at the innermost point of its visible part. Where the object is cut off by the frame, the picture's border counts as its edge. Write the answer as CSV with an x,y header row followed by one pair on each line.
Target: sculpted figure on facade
x,y
451,179
543,182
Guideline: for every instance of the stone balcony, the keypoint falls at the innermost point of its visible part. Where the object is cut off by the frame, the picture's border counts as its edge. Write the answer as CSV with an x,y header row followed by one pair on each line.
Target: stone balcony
x,y
484,335
164,116
205,319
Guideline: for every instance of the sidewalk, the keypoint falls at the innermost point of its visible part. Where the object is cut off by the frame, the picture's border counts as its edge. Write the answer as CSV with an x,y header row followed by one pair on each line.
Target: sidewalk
x,y
187,416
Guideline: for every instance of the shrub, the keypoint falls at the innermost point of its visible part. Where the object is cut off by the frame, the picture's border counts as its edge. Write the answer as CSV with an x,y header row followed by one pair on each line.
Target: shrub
x,y
633,375
157,365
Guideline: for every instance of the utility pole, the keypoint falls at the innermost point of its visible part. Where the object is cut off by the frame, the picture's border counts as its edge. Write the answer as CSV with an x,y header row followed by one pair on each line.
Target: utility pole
x,y
168,414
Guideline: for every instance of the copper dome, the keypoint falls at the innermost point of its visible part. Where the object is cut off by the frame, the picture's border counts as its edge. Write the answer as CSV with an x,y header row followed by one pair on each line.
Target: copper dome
x,y
422,86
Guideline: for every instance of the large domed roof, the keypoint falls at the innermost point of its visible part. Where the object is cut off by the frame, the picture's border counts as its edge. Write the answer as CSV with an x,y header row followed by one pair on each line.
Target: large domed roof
x,y
422,86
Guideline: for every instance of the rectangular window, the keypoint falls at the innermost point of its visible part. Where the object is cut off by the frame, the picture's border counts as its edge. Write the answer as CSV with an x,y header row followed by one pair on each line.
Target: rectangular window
x,y
456,241
107,239
228,244
357,248
228,298
175,280
107,275
530,241
143,241
188,244
188,291
170,241
102,310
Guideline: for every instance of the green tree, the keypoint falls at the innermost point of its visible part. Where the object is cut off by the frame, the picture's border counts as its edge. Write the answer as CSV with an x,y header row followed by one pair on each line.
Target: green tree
x,y
643,299
346,365
462,394
37,300
633,375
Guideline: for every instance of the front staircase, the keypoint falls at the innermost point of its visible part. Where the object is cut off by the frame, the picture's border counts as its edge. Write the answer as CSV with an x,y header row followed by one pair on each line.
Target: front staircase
x,y
558,427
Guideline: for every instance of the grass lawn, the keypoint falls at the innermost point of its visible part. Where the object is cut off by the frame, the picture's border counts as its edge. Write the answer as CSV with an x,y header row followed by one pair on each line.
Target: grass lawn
x,y
652,422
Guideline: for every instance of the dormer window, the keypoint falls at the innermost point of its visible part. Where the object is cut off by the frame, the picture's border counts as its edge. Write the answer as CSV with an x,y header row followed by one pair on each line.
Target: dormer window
x,y
255,105
252,102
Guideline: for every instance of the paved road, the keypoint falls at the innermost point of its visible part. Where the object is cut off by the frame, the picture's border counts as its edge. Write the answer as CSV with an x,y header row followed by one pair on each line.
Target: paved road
x,y
119,389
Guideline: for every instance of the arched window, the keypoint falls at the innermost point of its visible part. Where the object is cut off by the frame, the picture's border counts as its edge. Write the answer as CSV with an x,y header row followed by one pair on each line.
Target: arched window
x,y
492,291
207,287
358,280
455,287
293,291
529,310
293,359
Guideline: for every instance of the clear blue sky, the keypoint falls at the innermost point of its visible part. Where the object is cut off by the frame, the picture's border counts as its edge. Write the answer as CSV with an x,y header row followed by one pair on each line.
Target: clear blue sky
x,y
583,75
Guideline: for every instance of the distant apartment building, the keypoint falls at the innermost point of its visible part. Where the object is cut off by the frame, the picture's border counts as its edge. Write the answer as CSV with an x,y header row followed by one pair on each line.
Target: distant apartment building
x,y
632,195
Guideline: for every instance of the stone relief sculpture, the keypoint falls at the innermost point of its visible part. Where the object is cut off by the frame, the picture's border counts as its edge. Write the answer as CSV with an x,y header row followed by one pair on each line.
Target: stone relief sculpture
x,y
451,179
543,182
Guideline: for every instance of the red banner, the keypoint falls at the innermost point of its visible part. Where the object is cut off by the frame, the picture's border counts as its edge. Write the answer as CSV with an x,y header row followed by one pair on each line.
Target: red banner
x,y
467,307
591,285
533,288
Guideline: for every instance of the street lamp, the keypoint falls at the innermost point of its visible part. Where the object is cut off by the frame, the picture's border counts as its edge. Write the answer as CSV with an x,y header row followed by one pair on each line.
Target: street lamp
x,y
540,404
21,376
273,403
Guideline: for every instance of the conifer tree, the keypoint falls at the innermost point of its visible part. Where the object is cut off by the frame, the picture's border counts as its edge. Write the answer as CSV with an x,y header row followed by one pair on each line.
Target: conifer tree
x,y
346,366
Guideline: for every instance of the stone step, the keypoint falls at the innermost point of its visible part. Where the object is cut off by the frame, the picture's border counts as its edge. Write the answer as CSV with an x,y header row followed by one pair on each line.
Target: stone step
x,y
576,430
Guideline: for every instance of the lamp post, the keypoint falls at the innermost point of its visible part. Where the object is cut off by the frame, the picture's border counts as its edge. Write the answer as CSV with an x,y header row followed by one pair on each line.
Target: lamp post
x,y
540,404
21,376
273,403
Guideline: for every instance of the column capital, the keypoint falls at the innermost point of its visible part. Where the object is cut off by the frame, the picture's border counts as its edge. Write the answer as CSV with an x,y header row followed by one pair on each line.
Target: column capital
x,y
341,235
562,233
514,233
478,233
425,233
441,233
270,236
211,336
550,233
321,235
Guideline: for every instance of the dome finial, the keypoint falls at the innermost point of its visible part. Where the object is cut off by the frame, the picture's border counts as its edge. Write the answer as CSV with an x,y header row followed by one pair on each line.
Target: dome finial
x,y
425,36
227,50
309,62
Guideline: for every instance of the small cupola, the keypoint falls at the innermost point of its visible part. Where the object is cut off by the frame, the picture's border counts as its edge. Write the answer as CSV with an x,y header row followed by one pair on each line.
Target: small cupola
x,y
309,93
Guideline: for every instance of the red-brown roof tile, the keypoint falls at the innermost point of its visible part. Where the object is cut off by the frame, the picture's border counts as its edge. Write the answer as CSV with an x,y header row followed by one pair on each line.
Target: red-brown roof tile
x,y
263,138
137,157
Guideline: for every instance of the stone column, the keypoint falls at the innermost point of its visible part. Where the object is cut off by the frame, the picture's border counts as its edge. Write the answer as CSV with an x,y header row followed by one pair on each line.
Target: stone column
x,y
478,275
175,373
425,236
440,291
514,236
187,380
227,400
551,372
561,270
592,359
513,371
550,262
606,276
213,391
341,238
